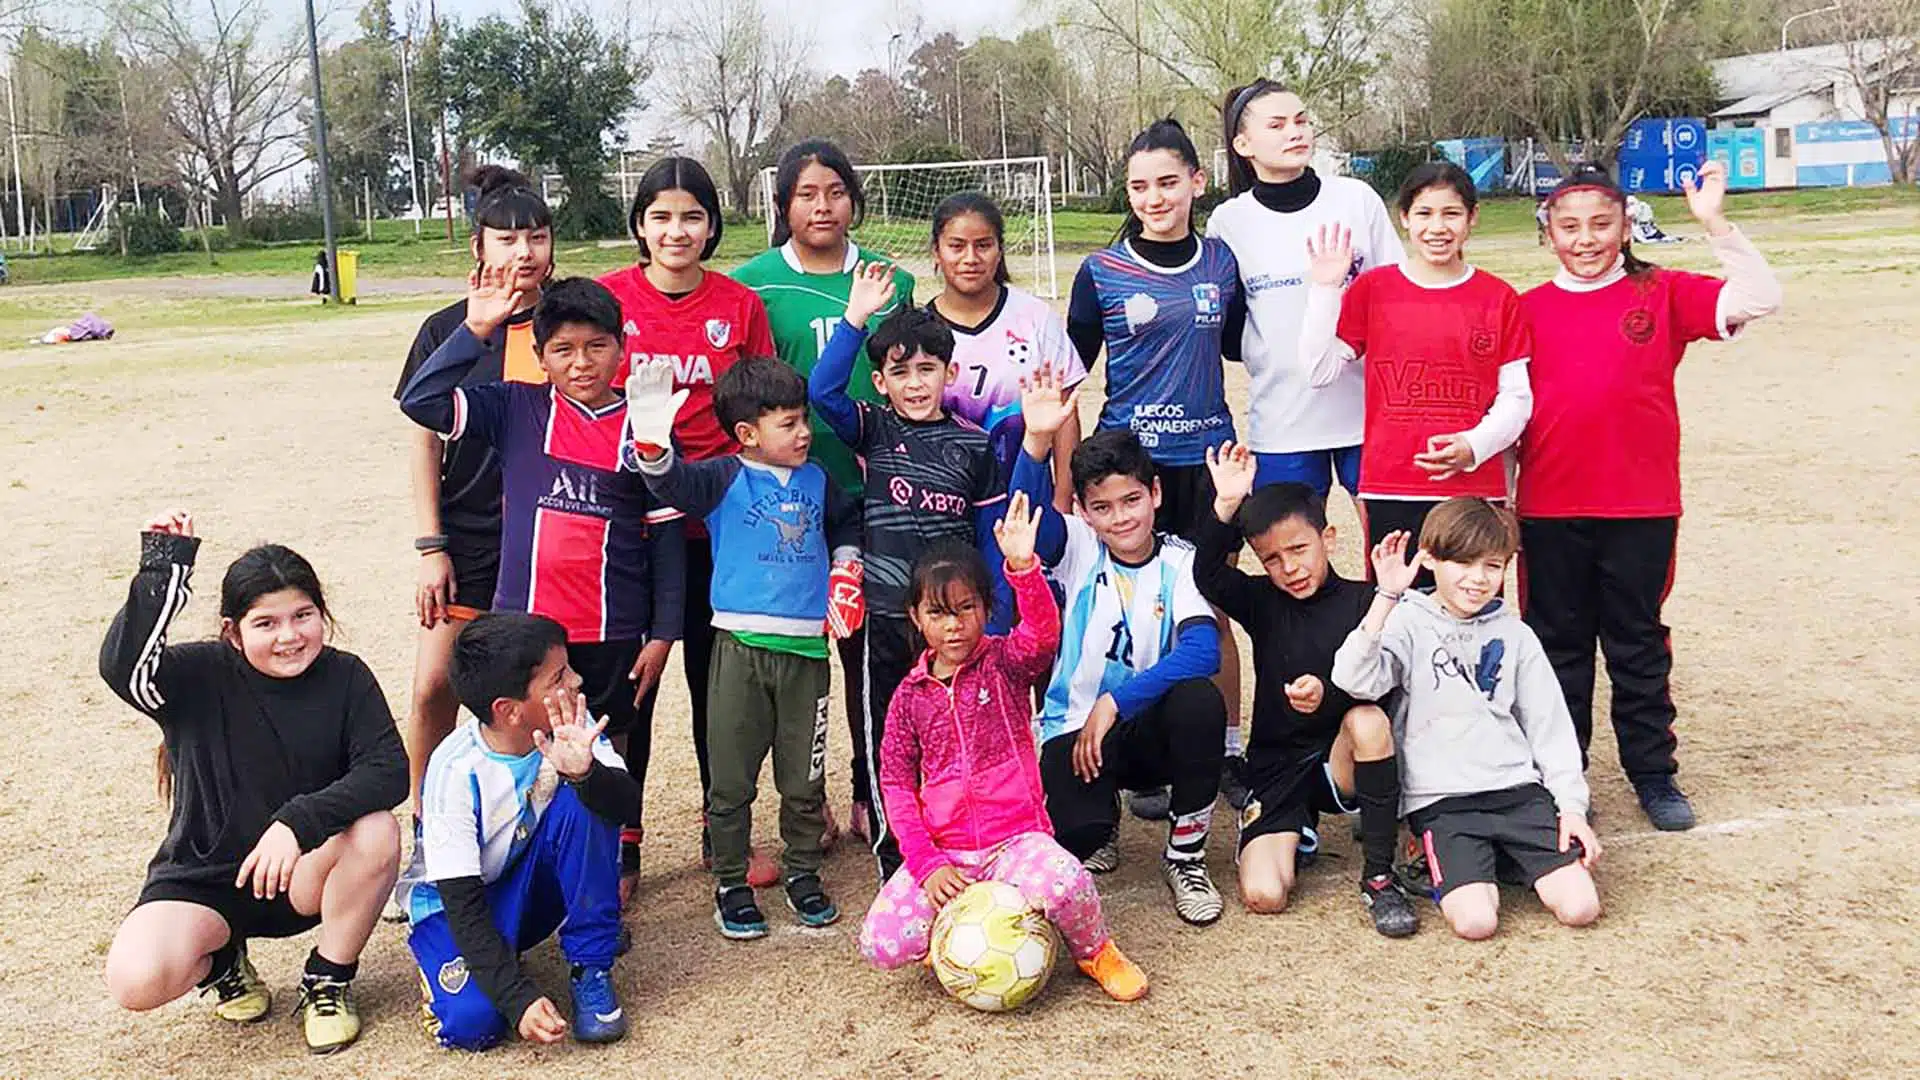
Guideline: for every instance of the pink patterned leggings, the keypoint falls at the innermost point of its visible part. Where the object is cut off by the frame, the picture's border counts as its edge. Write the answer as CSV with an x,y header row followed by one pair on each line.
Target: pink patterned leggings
x,y
895,933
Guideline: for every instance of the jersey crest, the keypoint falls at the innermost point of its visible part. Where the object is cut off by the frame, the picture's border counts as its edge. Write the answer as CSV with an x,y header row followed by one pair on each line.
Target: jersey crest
x,y
719,332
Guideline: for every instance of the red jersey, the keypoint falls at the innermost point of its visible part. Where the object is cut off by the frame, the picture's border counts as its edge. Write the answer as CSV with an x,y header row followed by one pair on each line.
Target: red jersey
x,y
1433,359
703,333
1604,440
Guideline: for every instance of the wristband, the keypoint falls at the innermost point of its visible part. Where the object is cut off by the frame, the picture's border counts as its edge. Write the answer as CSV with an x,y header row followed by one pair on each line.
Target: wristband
x,y
1390,597
427,545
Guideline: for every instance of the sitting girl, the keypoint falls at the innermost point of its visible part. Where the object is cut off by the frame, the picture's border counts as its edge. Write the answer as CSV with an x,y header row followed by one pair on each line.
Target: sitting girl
x,y
958,770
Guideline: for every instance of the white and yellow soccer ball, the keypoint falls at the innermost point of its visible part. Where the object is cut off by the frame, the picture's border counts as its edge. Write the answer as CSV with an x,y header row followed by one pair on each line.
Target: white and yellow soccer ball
x,y
990,949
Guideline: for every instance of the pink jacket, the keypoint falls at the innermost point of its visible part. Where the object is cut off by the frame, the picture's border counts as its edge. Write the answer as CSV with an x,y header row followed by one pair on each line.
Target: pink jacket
x,y
958,769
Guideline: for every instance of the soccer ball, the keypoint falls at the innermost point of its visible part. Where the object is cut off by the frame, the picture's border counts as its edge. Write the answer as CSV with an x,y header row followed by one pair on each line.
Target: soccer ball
x,y
990,949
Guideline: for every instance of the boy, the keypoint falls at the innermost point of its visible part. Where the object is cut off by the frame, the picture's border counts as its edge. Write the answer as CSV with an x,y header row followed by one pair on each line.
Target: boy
x,y
581,540
520,825
1314,749
930,477
1490,767
780,527
1130,704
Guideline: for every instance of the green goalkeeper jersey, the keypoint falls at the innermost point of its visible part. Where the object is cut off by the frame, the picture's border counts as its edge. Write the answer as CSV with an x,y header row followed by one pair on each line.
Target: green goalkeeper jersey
x,y
803,309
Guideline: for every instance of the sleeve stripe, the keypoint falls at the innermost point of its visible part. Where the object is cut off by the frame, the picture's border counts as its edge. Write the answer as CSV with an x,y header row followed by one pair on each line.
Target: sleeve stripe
x,y
459,414
140,684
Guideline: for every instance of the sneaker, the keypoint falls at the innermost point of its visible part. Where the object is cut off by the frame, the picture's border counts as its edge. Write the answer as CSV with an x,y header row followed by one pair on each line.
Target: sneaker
x,y
1153,804
1194,897
242,997
808,899
393,912
737,914
1392,915
1120,977
326,1012
1104,860
857,816
1411,872
597,1015
1666,805
1233,781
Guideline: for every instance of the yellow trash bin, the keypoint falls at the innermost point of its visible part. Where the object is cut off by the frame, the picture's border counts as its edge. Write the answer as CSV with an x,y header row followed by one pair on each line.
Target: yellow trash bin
x,y
349,276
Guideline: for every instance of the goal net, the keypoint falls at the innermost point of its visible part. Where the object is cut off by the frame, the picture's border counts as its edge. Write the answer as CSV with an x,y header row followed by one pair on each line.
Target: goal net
x,y
901,200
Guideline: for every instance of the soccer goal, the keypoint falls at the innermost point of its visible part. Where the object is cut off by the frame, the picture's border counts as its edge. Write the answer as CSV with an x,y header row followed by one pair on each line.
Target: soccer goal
x,y
901,200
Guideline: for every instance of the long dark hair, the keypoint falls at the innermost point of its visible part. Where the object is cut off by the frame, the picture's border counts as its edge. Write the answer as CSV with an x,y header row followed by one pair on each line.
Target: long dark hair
x,y
786,177
505,199
1169,135
1437,174
1240,174
973,202
676,174
1594,178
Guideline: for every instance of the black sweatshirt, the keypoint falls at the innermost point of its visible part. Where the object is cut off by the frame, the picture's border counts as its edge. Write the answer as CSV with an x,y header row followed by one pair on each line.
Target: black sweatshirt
x,y
317,751
1290,637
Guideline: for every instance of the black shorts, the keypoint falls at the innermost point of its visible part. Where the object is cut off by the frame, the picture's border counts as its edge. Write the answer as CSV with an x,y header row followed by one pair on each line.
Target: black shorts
x,y
1290,797
476,569
1186,492
1467,836
247,916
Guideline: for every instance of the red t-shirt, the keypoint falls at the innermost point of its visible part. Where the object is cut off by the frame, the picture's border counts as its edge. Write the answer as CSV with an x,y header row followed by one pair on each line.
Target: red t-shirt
x,y
703,333
1433,359
1604,440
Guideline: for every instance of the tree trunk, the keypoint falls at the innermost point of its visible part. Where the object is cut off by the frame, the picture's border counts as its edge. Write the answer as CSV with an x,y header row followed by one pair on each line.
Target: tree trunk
x,y
231,205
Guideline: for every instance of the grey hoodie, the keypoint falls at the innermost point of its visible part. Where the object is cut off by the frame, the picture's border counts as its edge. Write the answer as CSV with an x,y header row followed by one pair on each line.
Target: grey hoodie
x,y
1482,710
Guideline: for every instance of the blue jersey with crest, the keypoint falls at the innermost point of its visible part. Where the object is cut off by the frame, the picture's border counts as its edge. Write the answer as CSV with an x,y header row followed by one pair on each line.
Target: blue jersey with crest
x,y
1162,327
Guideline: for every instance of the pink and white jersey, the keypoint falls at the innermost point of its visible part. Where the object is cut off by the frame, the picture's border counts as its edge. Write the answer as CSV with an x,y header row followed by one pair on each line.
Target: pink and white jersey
x,y
1023,331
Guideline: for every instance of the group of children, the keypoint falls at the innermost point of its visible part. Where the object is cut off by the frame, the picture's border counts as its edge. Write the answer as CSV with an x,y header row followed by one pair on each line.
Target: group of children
x,y
1034,625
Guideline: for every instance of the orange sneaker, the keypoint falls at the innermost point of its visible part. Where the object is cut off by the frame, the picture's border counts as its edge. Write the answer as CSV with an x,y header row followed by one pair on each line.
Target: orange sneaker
x,y
762,870
1120,977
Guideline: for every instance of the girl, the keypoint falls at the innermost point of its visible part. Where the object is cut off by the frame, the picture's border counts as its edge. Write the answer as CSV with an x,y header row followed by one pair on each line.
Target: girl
x,y
456,486
282,764
1445,348
999,332
1160,300
1599,494
958,771
1298,432
703,322
805,280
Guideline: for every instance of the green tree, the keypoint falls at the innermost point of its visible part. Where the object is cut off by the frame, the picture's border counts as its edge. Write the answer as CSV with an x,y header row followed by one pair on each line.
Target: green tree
x,y
366,128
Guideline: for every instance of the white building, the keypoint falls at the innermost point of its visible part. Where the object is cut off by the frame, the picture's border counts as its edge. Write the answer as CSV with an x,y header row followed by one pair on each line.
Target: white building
x,y
1807,104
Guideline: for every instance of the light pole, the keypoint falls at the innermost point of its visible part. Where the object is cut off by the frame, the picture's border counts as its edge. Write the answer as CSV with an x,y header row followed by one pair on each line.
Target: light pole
x,y
13,136
320,143
1791,19
406,105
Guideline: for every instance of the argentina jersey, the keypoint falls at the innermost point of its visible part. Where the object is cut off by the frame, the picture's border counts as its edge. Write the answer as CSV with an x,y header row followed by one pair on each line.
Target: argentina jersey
x,y
1117,621
1162,327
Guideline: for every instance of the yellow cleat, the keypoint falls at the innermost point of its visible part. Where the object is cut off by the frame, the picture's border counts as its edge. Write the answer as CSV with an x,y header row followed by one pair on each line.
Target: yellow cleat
x,y
244,998
326,1012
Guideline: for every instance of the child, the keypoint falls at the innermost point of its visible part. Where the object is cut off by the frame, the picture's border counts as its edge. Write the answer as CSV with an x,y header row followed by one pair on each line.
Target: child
x,y
999,333
281,762
1599,495
805,280
957,766
779,526
1130,704
456,485
1489,766
1297,432
1314,748
582,542
1445,348
703,323
521,816
1160,300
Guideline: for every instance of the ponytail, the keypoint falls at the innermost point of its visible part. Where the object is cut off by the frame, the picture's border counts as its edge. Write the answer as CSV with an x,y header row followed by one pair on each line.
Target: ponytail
x,y
1233,110
1166,135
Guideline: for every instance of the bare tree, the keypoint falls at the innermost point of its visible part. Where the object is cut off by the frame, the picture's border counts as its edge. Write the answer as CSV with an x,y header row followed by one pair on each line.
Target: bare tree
x,y
234,94
1880,64
736,74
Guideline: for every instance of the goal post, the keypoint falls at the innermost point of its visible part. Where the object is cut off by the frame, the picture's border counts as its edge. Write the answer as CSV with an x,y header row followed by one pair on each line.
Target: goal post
x,y
901,200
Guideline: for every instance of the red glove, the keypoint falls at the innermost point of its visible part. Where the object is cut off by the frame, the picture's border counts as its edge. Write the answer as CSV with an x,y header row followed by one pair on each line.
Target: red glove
x,y
846,604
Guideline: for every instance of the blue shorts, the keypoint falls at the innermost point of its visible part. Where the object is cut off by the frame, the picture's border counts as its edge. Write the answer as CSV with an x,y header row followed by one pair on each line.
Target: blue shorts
x,y
567,880
1314,468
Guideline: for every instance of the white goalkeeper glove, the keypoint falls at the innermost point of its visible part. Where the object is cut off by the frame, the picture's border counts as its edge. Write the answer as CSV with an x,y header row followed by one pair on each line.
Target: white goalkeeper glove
x,y
652,403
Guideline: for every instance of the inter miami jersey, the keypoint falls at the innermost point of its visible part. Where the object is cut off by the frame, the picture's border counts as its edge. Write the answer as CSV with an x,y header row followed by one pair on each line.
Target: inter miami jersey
x,y
926,481
1162,327
574,535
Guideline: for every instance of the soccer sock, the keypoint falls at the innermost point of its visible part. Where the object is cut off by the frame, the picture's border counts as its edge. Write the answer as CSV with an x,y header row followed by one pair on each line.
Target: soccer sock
x,y
1377,785
1234,742
319,967
224,958
1187,835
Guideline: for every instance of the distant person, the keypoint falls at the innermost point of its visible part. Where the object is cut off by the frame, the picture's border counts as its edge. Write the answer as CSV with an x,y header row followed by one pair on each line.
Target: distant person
x,y
282,764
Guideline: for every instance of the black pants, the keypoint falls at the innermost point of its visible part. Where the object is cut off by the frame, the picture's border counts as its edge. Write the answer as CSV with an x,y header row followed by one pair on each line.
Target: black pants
x,y
1178,741
696,649
1584,580
853,660
892,645
1385,516
605,668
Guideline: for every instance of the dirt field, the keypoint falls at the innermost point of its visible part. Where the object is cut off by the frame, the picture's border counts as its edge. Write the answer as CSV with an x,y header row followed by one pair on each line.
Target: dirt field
x,y
1779,939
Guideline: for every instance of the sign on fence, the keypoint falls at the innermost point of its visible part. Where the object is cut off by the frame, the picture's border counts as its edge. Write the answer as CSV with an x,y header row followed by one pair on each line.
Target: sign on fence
x,y
1661,154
